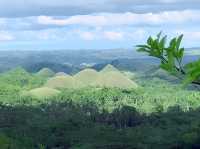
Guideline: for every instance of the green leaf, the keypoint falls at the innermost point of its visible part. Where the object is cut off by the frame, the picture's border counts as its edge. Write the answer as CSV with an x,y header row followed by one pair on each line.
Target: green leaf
x,y
150,41
173,43
143,46
181,52
159,35
179,41
193,72
163,42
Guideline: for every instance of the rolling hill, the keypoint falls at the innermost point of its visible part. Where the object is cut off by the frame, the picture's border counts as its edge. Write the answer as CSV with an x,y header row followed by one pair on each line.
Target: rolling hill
x,y
54,66
108,68
109,77
46,72
114,79
41,93
63,82
134,65
87,76
60,74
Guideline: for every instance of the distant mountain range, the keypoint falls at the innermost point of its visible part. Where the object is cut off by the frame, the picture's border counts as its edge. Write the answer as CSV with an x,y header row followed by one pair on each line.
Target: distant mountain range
x,y
72,61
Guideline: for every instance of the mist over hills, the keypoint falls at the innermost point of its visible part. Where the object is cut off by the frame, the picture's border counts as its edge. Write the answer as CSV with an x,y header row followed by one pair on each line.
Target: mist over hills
x,y
72,61
68,61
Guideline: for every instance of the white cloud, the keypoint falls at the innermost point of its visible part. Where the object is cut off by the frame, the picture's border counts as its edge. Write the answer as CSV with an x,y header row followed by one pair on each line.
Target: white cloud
x,y
4,36
87,35
110,35
97,20
99,34
189,35
113,19
47,34
22,8
138,34
169,1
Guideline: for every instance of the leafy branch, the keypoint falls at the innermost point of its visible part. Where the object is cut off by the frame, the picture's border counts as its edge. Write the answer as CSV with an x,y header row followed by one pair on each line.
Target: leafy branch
x,y
171,57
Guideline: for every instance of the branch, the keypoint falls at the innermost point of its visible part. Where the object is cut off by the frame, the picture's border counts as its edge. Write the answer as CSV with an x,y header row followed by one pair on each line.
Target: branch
x,y
195,82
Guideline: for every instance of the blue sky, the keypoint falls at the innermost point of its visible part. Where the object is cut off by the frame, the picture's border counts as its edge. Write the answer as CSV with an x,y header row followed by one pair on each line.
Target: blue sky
x,y
95,24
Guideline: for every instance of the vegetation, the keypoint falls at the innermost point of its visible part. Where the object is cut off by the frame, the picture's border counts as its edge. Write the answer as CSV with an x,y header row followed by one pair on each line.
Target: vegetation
x,y
41,93
46,72
108,77
114,79
87,76
65,125
60,82
116,118
60,74
108,68
171,57
42,112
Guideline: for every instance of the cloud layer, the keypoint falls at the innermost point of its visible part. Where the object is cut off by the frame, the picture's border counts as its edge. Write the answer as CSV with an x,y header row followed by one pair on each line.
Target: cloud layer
x,y
119,19
95,24
22,8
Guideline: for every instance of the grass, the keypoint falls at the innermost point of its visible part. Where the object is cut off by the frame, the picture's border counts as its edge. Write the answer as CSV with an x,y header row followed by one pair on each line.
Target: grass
x,y
160,73
109,68
46,72
87,76
114,79
60,74
107,77
60,82
41,93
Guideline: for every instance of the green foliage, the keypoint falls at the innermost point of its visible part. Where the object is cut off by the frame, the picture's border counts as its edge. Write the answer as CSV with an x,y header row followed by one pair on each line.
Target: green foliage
x,y
87,76
112,79
108,77
41,146
46,73
4,142
170,55
60,82
192,72
66,125
8,89
41,93
21,78
109,68
145,117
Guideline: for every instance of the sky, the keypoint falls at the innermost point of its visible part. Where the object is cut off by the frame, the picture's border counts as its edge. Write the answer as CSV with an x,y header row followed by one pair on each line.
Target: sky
x,y
95,24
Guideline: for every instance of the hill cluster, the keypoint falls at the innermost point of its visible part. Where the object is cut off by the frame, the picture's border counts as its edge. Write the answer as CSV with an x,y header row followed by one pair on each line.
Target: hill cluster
x,y
109,77
57,110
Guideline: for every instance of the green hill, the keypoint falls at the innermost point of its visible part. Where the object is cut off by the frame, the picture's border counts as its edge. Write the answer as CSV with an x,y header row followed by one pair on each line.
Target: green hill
x,y
114,79
108,77
60,74
129,74
21,78
162,74
60,82
87,76
108,68
42,93
46,72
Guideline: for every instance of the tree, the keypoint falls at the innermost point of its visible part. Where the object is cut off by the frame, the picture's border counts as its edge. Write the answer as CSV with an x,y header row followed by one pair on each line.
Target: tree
x,y
171,57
